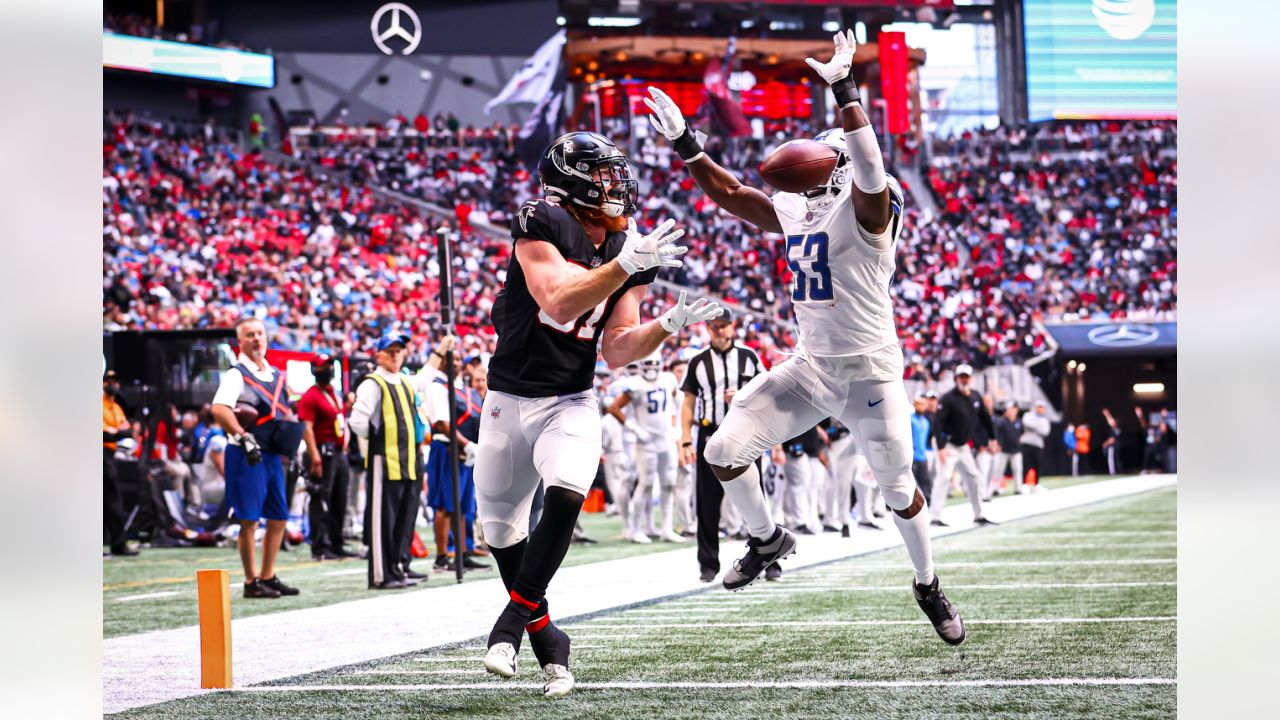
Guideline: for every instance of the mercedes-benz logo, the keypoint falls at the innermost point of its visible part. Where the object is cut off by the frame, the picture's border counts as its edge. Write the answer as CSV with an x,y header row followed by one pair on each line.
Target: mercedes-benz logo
x,y
1123,336
395,28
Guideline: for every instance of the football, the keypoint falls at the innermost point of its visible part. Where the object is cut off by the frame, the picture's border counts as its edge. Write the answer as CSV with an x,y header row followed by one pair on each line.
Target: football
x,y
798,165
246,415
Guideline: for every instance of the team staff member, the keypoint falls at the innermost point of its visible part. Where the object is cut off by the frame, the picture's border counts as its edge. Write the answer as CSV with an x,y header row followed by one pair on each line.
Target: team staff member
x,y
1035,426
921,444
383,417
960,412
711,380
321,411
115,427
1009,437
254,461
1111,445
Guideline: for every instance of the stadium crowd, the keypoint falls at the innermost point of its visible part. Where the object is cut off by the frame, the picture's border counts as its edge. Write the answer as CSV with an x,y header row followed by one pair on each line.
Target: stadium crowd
x,y
197,232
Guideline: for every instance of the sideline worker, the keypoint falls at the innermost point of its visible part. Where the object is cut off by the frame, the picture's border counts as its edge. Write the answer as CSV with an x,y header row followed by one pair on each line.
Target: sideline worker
x,y
326,423
115,427
255,459
384,417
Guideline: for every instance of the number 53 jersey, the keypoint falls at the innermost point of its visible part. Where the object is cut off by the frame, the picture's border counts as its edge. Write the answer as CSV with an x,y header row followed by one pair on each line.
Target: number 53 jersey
x,y
536,356
840,281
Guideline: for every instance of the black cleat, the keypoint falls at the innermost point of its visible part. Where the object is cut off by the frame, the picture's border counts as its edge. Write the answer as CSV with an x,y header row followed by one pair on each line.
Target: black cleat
x,y
938,523
412,574
259,590
844,531
470,563
984,521
278,585
760,555
325,555
867,524
389,585
443,563
773,573
940,612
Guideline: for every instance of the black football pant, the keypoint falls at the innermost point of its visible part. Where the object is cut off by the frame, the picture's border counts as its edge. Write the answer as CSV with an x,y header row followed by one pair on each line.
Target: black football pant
x,y
414,502
112,508
1031,461
328,508
708,493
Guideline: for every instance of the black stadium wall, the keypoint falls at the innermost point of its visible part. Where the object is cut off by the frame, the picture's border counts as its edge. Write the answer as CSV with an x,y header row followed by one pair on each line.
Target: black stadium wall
x,y
460,55
327,59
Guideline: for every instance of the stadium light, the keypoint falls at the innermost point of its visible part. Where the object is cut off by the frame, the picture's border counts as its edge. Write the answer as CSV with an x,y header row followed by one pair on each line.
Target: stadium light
x,y
560,20
1071,364
831,25
1148,388
613,21
1080,367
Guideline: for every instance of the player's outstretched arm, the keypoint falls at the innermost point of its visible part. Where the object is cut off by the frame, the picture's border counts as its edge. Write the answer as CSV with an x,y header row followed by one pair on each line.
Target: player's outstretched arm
x,y
626,340
870,186
722,186
566,293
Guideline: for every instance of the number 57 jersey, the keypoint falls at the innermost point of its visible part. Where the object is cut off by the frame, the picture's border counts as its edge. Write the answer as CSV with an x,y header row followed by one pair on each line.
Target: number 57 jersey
x,y
840,281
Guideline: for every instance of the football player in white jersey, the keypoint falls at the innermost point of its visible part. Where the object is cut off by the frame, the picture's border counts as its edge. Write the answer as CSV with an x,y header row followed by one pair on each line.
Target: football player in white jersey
x,y
840,242
650,399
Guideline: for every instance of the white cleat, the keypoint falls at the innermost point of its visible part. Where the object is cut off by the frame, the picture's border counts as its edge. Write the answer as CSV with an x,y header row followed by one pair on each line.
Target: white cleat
x,y
672,536
501,660
638,537
558,681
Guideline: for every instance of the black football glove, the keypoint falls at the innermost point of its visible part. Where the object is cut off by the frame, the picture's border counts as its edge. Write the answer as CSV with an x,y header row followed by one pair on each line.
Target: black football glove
x,y
249,445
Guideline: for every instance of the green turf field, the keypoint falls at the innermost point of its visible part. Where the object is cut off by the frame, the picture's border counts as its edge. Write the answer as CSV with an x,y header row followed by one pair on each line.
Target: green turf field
x,y
157,589
1070,615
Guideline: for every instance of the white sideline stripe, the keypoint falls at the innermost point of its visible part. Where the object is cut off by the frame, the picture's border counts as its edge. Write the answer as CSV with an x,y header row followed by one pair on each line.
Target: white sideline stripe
x,y
742,685
148,596
352,571
1118,545
443,660
867,623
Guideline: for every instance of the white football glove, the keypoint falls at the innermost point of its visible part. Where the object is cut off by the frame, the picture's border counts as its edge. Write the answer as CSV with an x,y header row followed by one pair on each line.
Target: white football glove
x,y
657,249
469,454
682,315
666,118
841,62
641,434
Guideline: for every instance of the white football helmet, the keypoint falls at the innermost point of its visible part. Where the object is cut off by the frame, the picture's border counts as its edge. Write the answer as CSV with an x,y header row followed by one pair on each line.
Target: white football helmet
x,y
651,366
834,139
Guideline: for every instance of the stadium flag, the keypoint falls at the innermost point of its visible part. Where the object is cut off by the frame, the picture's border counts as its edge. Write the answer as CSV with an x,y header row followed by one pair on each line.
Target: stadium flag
x,y
727,118
535,77
541,127
893,80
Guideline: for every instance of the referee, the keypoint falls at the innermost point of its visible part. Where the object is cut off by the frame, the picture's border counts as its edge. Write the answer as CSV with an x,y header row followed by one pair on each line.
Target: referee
x,y
713,376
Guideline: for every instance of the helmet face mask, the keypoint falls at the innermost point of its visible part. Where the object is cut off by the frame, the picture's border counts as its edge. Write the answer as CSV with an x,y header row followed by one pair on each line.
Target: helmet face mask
x,y
588,170
840,176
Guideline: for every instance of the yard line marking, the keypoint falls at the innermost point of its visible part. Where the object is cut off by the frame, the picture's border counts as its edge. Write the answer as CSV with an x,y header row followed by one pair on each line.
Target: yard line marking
x,y
1118,545
865,623
148,596
735,685
450,671
1036,563
1006,586
1078,533
443,660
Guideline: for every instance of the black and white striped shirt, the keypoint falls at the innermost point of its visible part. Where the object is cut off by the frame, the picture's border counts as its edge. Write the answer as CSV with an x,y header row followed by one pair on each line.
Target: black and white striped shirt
x,y
710,372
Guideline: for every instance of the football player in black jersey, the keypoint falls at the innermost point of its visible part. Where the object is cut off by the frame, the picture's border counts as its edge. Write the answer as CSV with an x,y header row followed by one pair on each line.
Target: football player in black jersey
x,y
577,277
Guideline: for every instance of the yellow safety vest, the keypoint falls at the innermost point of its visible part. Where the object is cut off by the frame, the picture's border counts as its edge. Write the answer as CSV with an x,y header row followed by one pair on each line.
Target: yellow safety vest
x,y
396,439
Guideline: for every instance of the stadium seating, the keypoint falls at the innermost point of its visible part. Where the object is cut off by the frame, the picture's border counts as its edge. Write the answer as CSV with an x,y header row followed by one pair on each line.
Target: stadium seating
x,y
196,233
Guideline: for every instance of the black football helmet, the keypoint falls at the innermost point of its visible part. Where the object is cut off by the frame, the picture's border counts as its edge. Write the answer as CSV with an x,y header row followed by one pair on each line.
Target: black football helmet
x,y
587,169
